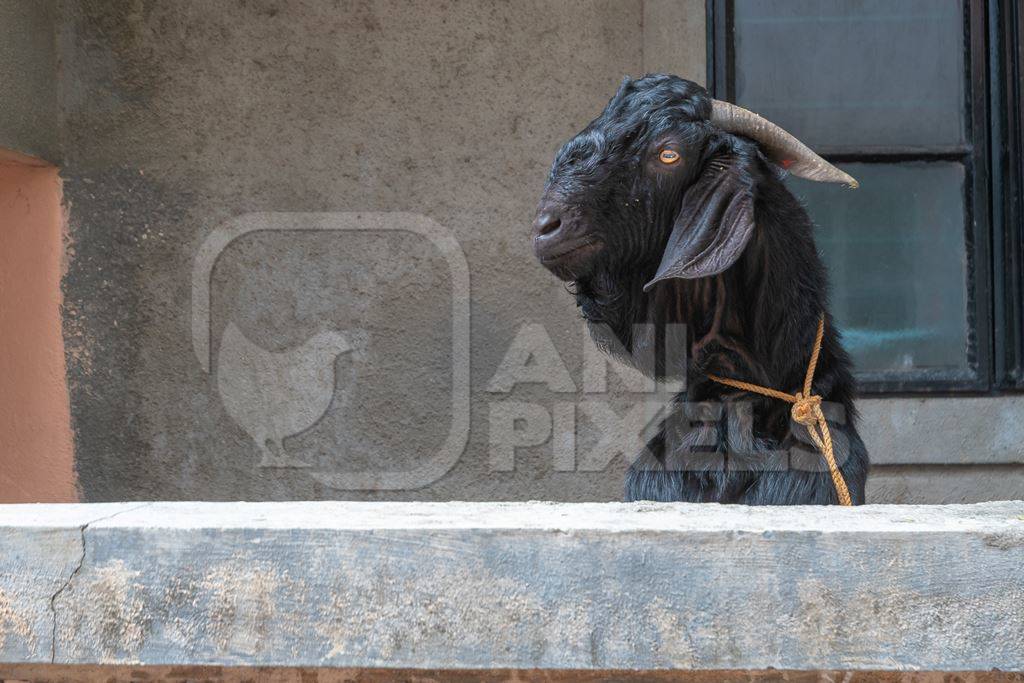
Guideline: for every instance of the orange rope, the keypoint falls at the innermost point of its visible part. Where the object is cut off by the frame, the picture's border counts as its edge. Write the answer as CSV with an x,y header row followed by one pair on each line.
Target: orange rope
x,y
806,411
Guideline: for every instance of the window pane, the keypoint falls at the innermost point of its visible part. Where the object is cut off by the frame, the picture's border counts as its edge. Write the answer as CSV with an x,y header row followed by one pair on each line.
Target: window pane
x,y
853,72
896,253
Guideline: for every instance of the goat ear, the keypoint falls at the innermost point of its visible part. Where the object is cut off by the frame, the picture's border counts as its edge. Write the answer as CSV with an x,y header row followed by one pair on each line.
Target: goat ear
x,y
714,224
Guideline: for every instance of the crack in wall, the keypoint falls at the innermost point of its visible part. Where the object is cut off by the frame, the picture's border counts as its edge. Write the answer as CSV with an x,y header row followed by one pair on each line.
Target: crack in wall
x,y
74,572
64,587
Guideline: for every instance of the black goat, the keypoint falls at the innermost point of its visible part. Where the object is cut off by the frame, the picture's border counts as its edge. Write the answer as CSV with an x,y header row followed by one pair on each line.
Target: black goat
x,y
668,209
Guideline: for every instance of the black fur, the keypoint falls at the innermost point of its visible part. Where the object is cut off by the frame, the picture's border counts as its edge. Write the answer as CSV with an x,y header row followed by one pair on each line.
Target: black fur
x,y
755,319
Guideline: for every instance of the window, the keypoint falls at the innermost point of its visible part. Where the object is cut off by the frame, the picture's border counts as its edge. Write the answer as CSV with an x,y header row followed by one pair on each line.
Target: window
x,y
925,284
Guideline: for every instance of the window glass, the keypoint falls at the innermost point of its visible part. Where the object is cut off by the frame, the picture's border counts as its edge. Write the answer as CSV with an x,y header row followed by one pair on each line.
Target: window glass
x,y
895,249
853,72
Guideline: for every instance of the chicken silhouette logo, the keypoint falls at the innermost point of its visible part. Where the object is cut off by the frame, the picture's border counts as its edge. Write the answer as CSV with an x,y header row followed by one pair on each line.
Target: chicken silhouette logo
x,y
274,395
301,395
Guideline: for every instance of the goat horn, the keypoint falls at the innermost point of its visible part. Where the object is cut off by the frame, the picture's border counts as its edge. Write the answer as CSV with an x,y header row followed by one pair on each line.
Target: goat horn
x,y
781,147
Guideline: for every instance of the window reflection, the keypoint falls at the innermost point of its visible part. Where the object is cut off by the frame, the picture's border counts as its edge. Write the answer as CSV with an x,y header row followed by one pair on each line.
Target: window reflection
x,y
897,263
845,72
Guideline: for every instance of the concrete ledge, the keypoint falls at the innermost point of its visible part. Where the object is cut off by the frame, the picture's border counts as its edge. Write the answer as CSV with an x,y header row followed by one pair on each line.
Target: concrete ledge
x,y
915,431
514,586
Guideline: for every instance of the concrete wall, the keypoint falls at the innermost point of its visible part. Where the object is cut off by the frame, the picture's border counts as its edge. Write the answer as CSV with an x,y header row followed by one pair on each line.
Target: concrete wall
x,y
515,586
28,60
190,133
179,116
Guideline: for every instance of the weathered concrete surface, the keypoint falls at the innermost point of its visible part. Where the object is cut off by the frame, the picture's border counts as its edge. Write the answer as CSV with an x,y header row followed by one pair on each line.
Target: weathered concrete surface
x,y
217,674
950,484
944,431
673,38
41,547
515,586
28,62
179,116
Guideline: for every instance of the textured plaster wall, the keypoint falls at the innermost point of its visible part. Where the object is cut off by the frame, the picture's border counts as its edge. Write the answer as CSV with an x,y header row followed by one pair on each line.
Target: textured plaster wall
x,y
28,62
179,116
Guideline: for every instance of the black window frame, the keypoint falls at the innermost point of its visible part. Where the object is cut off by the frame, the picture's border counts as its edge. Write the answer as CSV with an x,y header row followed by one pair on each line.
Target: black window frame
x,y
1006,60
993,64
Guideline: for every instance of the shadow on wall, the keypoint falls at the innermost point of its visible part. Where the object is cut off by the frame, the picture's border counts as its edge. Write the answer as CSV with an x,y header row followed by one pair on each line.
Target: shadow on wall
x,y
36,449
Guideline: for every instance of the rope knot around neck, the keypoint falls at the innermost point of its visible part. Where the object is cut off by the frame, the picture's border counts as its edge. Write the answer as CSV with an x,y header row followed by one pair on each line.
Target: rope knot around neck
x,y
806,411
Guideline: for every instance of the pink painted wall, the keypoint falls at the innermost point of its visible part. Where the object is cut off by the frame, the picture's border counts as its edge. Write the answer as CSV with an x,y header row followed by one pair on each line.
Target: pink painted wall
x,y
36,446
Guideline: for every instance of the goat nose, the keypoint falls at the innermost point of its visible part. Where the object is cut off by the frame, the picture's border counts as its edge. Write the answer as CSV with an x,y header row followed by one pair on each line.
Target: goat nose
x,y
546,223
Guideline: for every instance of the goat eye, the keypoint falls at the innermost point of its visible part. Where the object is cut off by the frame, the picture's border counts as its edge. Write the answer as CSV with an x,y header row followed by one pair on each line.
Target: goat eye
x,y
669,156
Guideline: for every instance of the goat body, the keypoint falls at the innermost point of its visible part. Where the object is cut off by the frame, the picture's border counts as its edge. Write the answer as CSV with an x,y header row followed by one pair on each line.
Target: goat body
x,y
716,243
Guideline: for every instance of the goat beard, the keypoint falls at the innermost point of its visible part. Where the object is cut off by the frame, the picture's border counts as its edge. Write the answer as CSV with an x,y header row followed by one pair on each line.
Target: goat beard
x,y
605,298
614,305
